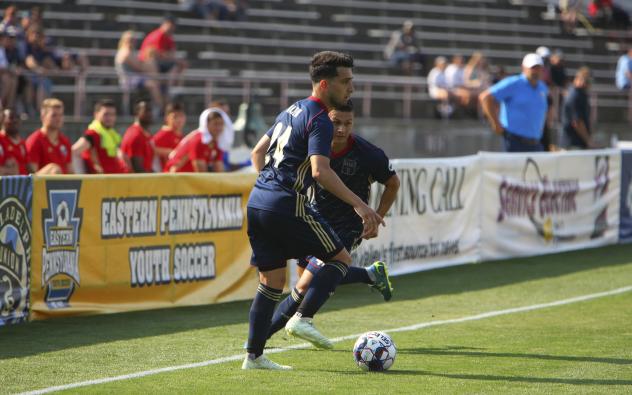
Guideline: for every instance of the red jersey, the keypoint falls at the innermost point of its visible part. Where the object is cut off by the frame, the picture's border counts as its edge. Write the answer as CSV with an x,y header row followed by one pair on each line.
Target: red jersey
x,y
110,165
166,138
157,40
137,142
192,148
41,151
16,151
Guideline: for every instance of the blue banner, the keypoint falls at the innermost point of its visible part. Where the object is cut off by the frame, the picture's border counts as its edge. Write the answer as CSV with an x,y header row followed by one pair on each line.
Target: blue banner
x,y
16,198
625,227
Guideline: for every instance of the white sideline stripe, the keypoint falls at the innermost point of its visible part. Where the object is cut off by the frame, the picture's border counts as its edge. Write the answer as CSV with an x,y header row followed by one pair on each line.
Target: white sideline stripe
x,y
335,340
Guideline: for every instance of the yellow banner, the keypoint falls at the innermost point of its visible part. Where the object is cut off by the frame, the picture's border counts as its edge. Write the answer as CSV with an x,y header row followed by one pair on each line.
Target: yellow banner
x,y
118,243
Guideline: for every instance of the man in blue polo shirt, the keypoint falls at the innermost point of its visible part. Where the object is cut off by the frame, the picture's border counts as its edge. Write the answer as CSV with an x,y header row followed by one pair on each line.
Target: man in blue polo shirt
x,y
516,107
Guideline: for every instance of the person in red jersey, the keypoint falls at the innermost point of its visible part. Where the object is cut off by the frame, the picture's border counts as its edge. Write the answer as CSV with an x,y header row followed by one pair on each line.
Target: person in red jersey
x,y
199,150
99,147
136,143
160,46
48,149
12,145
170,134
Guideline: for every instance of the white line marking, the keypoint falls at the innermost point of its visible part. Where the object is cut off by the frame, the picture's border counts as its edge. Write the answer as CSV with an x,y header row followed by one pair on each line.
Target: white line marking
x,y
335,340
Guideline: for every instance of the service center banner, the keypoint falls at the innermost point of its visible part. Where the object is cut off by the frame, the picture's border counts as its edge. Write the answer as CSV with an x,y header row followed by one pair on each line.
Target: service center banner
x,y
15,248
120,243
435,220
544,203
625,229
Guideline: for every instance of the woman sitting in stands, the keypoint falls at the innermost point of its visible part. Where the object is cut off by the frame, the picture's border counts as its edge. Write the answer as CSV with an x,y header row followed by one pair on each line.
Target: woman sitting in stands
x,y
203,149
134,73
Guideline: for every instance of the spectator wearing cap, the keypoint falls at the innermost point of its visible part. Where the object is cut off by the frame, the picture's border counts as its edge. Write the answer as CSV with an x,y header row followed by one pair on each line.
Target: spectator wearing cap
x,y
516,107
576,113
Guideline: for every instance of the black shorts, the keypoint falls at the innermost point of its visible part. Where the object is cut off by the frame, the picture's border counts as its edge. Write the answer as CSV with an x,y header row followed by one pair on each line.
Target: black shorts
x,y
275,238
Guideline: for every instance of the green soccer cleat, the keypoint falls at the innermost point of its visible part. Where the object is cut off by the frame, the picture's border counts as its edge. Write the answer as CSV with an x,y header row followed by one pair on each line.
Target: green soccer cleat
x,y
304,328
262,362
382,281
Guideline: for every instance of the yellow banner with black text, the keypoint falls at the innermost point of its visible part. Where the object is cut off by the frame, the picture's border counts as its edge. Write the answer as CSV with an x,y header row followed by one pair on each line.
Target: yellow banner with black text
x,y
121,243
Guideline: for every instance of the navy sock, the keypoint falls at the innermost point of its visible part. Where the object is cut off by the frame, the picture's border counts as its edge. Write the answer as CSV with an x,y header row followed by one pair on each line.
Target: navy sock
x,y
260,315
321,287
356,275
285,311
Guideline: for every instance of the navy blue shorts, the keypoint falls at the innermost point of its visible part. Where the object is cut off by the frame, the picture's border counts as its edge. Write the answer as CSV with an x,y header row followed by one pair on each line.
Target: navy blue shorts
x,y
275,238
350,239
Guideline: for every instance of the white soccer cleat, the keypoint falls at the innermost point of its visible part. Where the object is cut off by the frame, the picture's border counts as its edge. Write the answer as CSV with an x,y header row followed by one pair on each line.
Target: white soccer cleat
x,y
304,329
262,362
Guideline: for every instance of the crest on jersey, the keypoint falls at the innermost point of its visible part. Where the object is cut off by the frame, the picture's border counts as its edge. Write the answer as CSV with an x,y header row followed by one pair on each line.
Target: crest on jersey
x,y
61,224
349,167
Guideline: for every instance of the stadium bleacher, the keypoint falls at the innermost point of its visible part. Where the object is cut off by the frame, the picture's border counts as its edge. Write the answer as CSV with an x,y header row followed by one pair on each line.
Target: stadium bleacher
x,y
279,36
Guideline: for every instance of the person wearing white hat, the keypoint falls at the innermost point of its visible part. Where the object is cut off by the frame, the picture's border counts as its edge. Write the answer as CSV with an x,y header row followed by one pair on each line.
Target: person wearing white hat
x,y
516,107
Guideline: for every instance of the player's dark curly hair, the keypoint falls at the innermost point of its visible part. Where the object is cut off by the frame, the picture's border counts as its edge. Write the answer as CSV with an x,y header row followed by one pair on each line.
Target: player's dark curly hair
x,y
347,107
324,65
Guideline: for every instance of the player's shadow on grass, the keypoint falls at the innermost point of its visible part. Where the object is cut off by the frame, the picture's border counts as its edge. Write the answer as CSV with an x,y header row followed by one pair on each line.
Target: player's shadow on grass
x,y
485,377
65,333
460,351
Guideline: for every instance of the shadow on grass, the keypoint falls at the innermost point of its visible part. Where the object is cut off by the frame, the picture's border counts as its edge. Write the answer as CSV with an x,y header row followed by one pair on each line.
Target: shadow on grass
x,y
465,352
63,333
486,377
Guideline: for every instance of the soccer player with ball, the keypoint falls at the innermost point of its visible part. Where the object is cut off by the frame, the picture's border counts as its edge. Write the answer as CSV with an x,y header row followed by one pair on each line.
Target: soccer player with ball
x,y
358,163
282,224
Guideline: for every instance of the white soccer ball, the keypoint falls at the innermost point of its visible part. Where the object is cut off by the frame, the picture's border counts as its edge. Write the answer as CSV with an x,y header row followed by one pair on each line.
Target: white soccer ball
x,y
374,351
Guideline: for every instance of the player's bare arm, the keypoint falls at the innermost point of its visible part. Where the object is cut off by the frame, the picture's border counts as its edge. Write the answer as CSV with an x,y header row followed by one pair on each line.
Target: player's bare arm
x,y
322,172
490,109
391,186
258,154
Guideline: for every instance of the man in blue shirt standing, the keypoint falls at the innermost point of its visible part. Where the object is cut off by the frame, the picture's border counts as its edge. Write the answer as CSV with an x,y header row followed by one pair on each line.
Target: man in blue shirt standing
x,y
516,107
282,224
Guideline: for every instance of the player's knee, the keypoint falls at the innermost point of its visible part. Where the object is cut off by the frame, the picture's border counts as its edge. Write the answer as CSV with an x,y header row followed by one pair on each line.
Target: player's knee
x,y
343,257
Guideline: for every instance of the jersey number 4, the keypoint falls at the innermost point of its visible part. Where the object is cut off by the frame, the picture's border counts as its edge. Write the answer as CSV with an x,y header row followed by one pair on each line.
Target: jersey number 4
x,y
280,137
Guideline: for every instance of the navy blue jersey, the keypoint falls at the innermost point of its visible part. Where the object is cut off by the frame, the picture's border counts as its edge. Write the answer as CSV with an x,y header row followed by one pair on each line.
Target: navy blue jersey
x,y
302,130
358,166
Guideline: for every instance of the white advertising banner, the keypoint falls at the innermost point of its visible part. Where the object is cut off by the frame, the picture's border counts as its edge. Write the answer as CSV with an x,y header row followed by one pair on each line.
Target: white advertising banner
x,y
435,220
543,203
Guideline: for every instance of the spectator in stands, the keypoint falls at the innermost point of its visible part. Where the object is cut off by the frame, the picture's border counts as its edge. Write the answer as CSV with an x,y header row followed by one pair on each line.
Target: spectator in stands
x,y
545,54
135,73
605,14
199,151
8,77
569,9
136,144
98,150
558,70
623,78
12,145
476,74
454,76
576,132
498,73
438,87
222,10
10,19
40,61
522,102
14,82
170,134
48,149
160,46
403,50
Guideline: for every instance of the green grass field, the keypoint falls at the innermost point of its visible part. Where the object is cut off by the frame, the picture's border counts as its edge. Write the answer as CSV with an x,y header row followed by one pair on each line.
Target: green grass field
x,y
580,347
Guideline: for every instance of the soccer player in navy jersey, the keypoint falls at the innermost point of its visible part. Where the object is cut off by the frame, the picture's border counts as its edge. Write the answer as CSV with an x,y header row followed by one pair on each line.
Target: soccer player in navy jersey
x,y
358,163
282,224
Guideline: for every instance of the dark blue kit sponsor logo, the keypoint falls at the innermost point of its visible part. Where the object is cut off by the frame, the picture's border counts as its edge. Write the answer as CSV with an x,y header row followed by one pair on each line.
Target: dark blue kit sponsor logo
x,y
61,224
15,248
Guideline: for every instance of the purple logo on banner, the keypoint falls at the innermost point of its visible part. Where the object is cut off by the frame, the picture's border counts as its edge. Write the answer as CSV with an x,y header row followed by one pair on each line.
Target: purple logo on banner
x,y
15,248
625,228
